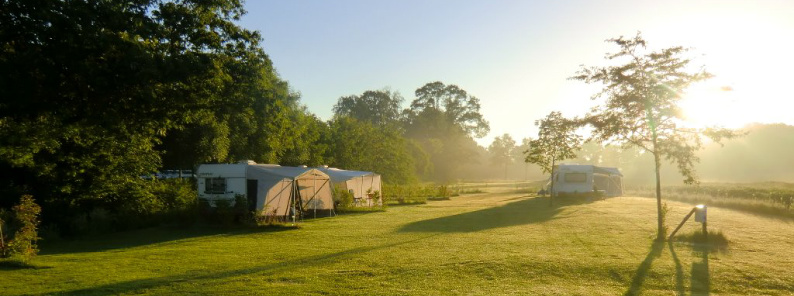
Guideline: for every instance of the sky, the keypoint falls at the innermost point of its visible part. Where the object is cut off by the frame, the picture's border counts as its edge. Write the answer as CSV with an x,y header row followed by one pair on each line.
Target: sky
x,y
516,56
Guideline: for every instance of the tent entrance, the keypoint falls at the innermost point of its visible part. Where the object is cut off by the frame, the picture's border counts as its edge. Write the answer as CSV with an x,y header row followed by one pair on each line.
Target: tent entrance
x,y
250,193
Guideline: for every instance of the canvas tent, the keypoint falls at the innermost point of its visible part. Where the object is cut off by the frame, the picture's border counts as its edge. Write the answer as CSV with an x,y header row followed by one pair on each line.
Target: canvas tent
x,y
574,178
271,190
365,186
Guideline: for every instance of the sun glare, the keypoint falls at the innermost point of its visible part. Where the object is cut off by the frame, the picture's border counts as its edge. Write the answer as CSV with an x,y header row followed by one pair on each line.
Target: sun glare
x,y
710,104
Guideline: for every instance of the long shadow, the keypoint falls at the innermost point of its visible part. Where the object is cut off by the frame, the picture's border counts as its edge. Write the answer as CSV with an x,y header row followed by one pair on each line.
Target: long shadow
x,y
701,279
141,285
527,211
135,238
642,271
679,271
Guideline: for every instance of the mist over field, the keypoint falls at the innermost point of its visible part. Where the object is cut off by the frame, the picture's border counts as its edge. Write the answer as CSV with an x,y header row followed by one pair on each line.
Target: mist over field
x,y
761,155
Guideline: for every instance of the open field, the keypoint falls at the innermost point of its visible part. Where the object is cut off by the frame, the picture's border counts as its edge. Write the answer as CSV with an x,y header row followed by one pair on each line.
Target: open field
x,y
497,242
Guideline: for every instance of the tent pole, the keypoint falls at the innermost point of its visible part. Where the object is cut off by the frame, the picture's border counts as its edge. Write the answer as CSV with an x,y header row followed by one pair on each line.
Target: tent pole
x,y
314,185
292,197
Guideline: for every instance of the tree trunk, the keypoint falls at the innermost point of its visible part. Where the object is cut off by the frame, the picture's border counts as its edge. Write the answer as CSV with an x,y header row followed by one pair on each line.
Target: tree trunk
x,y
551,190
659,215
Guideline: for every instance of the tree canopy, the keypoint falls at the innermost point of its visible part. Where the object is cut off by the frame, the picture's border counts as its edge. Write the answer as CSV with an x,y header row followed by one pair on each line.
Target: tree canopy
x,y
96,92
501,150
557,140
449,103
379,107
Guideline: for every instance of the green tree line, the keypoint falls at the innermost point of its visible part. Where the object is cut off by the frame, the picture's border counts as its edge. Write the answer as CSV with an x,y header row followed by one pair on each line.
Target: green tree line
x,y
97,94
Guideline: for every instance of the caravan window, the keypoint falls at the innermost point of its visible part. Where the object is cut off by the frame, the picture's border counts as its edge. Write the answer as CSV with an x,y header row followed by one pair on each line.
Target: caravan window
x,y
215,185
575,177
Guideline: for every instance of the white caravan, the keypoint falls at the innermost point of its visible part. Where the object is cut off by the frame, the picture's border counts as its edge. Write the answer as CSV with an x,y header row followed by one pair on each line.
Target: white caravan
x,y
575,178
270,189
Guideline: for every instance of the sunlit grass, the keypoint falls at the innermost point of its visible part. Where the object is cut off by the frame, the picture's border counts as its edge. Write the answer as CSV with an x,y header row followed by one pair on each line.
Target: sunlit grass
x,y
479,244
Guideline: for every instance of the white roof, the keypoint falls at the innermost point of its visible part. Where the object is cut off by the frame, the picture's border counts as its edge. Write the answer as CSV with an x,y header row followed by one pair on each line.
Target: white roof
x,y
339,175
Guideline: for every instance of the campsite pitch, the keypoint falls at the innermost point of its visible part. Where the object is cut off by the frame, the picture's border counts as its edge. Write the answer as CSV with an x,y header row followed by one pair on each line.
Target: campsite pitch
x,y
497,242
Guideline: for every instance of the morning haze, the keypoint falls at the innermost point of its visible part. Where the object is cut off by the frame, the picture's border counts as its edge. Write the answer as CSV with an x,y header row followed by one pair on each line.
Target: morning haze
x,y
396,148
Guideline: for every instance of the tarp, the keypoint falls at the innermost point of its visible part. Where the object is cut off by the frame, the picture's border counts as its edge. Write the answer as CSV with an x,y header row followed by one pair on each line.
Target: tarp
x,y
277,184
365,186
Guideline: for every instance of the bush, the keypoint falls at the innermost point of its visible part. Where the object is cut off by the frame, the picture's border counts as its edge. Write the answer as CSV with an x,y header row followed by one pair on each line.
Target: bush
x,y
22,246
342,198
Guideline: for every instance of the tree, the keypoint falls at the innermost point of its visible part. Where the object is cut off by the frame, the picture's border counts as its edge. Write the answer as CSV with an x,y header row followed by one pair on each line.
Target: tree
x,y
501,150
518,155
360,145
91,89
379,107
641,109
557,140
459,108
442,120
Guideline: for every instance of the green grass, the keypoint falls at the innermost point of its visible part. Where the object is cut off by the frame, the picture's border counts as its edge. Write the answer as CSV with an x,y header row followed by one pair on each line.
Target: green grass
x,y
480,244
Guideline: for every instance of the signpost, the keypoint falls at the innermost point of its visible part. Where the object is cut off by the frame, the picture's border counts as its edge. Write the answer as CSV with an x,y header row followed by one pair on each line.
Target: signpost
x,y
700,216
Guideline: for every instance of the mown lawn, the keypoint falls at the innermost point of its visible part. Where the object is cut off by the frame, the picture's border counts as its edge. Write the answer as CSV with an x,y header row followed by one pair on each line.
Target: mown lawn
x,y
481,244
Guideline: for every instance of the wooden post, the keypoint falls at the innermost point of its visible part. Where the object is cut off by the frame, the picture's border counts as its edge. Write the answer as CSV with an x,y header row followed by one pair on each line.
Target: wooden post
x,y
682,223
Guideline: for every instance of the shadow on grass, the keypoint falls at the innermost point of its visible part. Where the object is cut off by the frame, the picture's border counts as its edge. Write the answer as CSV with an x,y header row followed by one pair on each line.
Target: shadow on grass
x,y
642,271
143,285
526,211
148,236
700,279
10,264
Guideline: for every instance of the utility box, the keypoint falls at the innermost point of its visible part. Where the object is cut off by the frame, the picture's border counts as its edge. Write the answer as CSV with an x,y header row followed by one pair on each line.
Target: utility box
x,y
700,213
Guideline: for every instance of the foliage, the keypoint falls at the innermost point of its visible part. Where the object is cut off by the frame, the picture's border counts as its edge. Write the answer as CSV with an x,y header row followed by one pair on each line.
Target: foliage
x,y
97,92
22,246
342,197
378,107
557,140
641,106
501,150
458,107
311,141
442,120
358,145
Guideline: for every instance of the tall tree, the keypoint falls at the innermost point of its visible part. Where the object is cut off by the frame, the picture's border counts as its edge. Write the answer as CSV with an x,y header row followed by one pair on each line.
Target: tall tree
x,y
501,150
641,94
442,120
557,140
360,145
458,107
518,155
379,107
90,88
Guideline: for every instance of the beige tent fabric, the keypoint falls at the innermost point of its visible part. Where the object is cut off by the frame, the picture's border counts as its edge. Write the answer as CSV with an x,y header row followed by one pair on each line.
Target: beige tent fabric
x,y
277,200
277,186
315,191
358,183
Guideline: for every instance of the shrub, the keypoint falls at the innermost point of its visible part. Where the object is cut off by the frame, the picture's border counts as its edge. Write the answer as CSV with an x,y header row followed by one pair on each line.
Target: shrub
x,y
342,198
22,245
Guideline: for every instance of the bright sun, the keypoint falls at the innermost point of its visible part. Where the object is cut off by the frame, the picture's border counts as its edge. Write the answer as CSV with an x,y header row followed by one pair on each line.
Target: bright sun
x,y
710,104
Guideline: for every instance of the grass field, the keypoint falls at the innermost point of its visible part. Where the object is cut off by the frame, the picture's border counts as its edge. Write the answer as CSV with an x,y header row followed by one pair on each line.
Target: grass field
x,y
498,242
